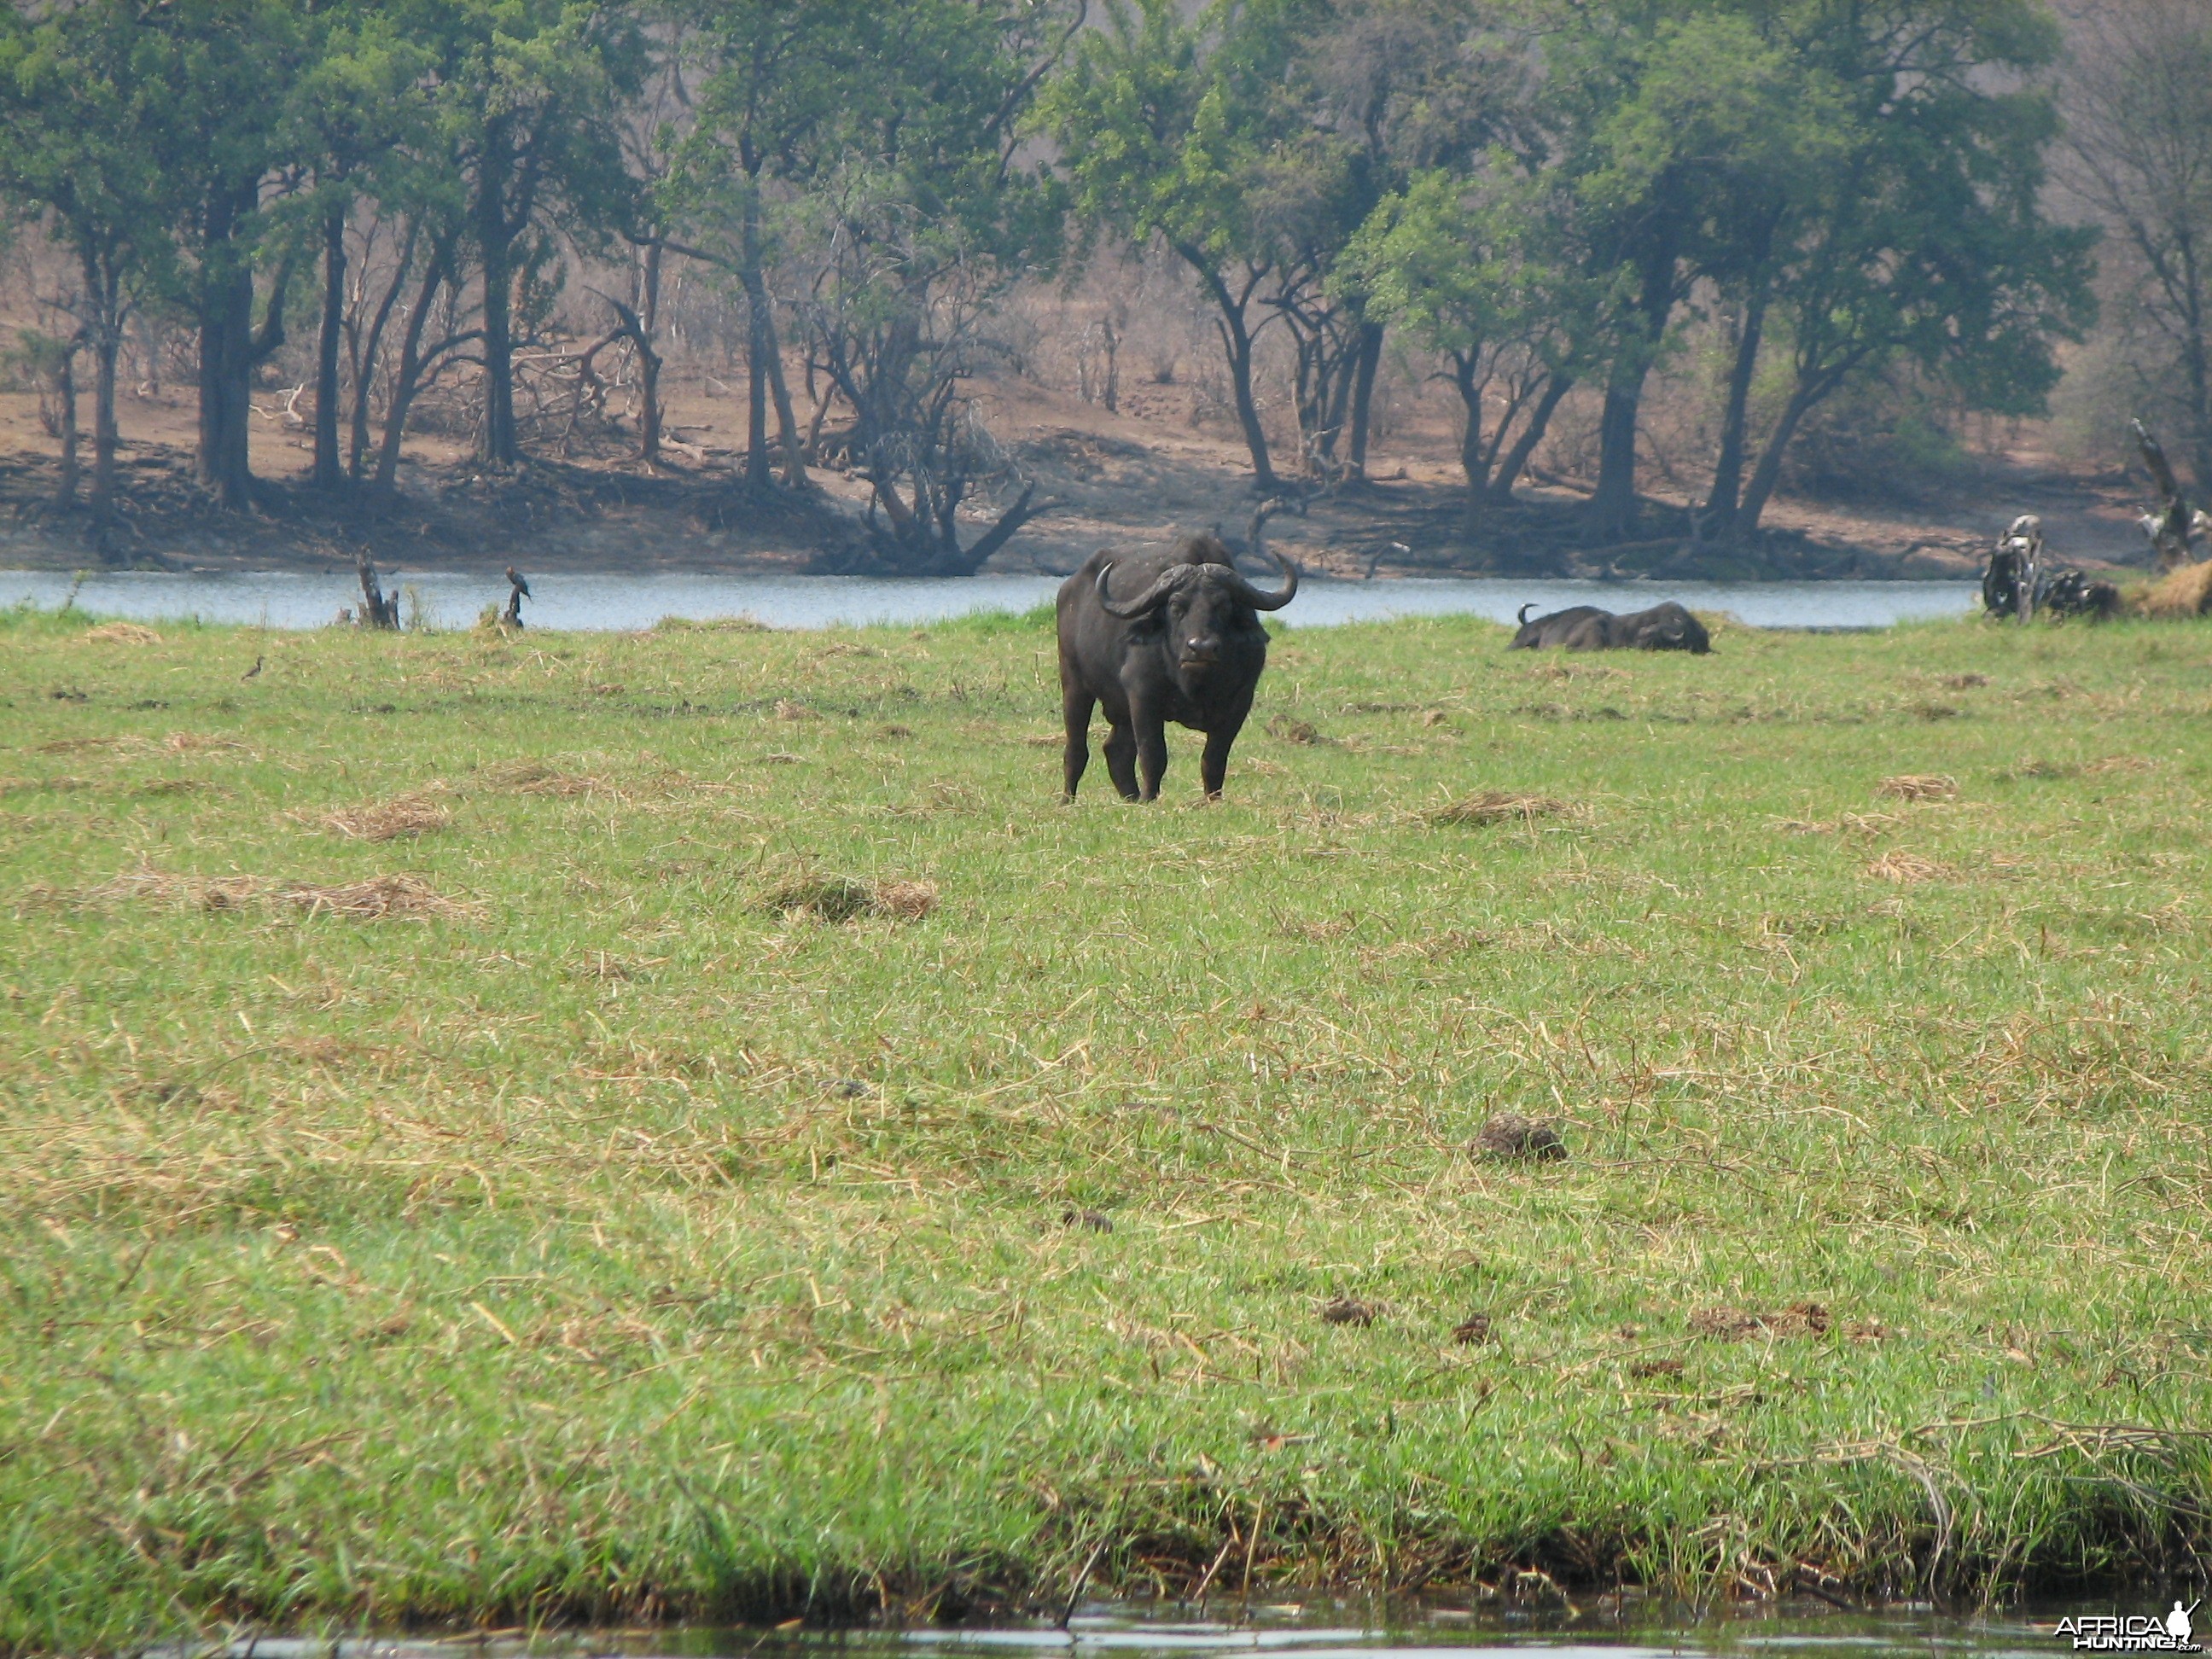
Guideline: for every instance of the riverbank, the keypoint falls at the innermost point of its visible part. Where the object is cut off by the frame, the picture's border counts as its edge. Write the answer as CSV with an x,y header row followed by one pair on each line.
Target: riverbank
x,y
1121,479
618,1126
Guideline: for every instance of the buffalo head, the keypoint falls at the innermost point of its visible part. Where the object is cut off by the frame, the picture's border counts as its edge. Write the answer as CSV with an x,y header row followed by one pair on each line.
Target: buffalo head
x,y
1200,603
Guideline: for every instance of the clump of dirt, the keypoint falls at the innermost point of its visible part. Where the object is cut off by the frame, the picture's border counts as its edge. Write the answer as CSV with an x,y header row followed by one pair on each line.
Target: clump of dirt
x,y
1906,869
1918,785
1510,1137
406,816
1740,1325
1348,1310
845,898
121,632
1499,806
1473,1331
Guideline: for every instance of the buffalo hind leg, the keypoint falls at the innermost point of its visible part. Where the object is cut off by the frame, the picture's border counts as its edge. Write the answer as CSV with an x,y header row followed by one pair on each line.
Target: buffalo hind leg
x,y
1075,708
1121,760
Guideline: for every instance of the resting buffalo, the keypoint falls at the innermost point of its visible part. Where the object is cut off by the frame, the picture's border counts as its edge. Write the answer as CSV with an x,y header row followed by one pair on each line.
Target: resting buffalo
x,y
1585,628
1182,643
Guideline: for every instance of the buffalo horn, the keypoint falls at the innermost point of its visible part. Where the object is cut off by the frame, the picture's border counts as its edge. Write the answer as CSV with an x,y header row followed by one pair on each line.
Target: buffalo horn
x,y
1259,601
1147,602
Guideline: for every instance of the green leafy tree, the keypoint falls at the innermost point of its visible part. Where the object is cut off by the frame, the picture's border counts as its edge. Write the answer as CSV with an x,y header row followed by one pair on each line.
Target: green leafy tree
x,y
1170,127
82,129
360,119
1916,227
1481,270
767,120
527,103
919,225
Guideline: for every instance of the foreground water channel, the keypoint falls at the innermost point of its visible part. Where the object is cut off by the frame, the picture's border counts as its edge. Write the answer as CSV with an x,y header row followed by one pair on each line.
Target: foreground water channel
x,y
621,602
1296,1633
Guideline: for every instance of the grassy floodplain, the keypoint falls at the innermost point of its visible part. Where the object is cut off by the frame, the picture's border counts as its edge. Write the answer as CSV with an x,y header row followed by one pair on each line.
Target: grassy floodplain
x,y
440,1182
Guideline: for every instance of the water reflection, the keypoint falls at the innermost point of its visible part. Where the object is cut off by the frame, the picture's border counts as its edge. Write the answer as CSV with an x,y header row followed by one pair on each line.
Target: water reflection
x,y
1433,1632
607,601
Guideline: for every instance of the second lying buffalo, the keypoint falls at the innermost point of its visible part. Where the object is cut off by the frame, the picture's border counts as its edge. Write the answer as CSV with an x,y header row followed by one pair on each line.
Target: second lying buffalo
x,y
1585,628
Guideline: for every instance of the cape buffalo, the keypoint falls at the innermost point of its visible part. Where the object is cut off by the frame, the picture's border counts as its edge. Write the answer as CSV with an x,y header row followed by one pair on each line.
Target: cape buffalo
x,y
1585,628
1182,643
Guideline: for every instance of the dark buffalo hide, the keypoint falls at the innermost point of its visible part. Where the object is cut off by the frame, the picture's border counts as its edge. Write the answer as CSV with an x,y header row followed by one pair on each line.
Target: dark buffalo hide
x,y
1173,636
1585,628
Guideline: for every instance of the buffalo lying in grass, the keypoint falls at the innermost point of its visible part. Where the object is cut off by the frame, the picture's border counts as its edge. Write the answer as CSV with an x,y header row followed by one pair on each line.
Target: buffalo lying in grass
x,y
1585,628
1183,643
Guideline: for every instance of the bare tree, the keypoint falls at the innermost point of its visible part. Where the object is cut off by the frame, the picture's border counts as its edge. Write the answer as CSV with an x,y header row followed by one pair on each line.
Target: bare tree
x,y
2137,97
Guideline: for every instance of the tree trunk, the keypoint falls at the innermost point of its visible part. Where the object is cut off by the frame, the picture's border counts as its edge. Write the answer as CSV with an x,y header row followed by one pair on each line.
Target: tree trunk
x,y
329,473
1727,492
1768,472
1363,394
1507,472
496,445
764,364
1236,343
757,347
65,388
365,376
226,378
410,368
1473,459
1613,505
107,347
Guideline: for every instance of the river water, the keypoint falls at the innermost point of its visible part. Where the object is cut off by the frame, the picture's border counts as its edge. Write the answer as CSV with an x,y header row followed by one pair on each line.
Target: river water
x,y
1289,1633
603,602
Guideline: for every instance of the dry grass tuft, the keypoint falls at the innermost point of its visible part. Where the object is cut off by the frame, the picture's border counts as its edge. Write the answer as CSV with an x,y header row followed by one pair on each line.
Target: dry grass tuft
x,y
1739,1325
1509,1137
121,632
2183,592
1918,785
193,743
1500,806
376,897
407,816
844,898
531,778
1906,869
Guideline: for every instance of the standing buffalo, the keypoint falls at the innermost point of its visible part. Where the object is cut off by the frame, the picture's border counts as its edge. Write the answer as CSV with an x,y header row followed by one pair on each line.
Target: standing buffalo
x,y
1184,645
1585,628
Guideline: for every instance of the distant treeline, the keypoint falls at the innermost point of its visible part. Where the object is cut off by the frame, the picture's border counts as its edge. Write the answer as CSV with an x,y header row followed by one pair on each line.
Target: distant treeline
x,y
1535,194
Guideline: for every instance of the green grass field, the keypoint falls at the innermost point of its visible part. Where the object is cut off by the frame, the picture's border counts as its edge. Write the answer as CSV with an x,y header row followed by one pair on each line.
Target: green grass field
x,y
454,1164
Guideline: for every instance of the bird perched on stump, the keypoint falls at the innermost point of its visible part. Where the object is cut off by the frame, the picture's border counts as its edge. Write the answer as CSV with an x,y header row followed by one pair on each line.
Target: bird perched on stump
x,y
512,614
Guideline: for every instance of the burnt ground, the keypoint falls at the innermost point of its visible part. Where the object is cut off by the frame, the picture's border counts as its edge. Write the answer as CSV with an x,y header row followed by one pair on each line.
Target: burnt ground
x,y
1146,474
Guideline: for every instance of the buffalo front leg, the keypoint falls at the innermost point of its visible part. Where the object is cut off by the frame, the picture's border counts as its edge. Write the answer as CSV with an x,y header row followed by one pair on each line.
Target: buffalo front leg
x,y
1075,710
1121,760
1214,764
1151,751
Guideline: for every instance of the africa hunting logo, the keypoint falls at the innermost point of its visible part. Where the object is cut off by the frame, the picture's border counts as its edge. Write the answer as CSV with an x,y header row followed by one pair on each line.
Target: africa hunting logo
x,y
2096,1633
